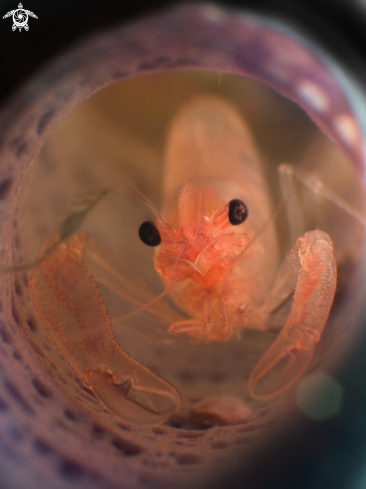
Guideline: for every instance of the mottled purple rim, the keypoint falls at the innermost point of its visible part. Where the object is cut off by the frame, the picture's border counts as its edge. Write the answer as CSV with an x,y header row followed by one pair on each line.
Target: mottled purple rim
x,y
191,37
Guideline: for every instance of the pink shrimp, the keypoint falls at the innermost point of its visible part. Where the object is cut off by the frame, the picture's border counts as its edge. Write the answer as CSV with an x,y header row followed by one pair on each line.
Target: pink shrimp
x,y
219,244
217,250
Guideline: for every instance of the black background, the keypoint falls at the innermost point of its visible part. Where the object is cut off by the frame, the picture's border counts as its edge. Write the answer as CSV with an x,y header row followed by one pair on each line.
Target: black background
x,y
338,24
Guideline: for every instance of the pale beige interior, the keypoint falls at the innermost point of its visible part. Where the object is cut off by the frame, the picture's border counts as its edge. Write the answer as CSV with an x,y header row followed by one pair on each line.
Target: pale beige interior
x,y
116,137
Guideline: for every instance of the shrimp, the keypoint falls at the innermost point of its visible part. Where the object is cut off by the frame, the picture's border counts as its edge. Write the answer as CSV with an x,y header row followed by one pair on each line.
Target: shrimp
x,y
219,245
217,251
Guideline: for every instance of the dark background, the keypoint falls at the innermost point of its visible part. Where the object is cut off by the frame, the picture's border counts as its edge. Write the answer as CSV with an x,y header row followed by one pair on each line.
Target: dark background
x,y
338,24
331,454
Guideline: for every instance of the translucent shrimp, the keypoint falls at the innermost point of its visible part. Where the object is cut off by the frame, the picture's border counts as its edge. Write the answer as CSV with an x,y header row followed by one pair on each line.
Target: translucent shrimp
x,y
222,247
218,253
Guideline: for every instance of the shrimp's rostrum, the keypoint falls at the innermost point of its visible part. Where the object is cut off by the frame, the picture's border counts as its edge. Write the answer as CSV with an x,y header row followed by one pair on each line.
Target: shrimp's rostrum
x,y
217,251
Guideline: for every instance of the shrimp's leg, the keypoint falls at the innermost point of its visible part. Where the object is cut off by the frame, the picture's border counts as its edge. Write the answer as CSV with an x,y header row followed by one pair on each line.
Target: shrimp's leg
x,y
199,329
70,308
313,262
110,269
192,327
287,174
205,329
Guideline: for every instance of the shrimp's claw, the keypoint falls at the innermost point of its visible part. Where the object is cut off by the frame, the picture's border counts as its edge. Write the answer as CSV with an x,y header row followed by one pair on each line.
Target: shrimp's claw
x,y
134,392
70,308
291,353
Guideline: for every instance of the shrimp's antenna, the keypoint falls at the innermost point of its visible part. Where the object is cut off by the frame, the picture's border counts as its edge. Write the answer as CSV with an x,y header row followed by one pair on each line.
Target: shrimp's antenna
x,y
121,319
199,210
152,207
272,217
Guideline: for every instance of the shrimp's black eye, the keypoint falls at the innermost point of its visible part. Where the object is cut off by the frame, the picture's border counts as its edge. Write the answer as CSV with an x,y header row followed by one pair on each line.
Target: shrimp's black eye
x,y
149,234
238,212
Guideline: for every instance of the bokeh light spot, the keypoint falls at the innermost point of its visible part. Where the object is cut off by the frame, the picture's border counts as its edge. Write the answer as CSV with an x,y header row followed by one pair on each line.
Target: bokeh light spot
x,y
319,396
